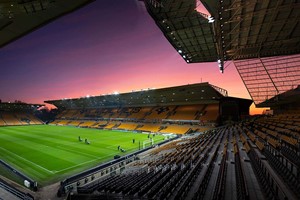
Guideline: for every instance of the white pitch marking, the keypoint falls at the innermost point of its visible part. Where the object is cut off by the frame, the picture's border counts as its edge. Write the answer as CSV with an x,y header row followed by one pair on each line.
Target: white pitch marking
x,y
71,150
27,161
85,162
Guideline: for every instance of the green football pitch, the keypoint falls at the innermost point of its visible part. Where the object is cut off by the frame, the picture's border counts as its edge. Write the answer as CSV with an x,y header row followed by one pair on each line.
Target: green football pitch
x,y
50,153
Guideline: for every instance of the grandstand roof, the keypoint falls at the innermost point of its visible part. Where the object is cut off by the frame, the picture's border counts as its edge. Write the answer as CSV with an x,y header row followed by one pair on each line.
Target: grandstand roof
x,y
18,17
186,94
18,106
288,97
235,30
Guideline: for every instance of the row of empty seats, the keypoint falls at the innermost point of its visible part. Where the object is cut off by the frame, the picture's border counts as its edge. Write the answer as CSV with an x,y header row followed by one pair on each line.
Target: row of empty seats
x,y
18,118
144,127
279,141
184,112
241,161
145,119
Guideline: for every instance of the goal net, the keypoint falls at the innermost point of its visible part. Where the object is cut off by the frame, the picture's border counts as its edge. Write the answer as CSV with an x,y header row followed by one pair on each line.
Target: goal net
x,y
148,143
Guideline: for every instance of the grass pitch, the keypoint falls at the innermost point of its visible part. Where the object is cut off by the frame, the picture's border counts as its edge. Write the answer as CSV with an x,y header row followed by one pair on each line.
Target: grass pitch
x,y
51,153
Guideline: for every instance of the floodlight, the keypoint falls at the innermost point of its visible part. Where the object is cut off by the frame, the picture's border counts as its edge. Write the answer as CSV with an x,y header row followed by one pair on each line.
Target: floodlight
x,y
221,67
210,19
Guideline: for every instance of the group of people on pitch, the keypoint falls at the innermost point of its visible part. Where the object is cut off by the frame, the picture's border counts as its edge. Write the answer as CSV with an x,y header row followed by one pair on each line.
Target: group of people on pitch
x,y
85,140
120,149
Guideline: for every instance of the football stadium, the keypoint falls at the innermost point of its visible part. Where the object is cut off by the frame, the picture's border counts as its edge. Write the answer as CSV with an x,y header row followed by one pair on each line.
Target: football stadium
x,y
184,139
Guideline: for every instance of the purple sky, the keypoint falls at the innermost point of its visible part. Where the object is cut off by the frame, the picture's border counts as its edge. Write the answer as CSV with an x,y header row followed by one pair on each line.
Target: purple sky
x,y
104,47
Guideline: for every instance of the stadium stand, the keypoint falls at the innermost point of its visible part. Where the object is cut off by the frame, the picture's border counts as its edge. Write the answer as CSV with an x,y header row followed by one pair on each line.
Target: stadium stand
x,y
2,122
186,112
149,127
11,119
74,123
33,119
127,126
99,124
160,114
211,113
225,163
257,158
139,113
71,114
254,159
154,123
63,122
176,129
112,125
87,124
16,114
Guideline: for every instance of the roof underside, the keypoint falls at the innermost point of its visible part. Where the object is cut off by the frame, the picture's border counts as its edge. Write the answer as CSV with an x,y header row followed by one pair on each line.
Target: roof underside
x,y
261,37
185,28
5,106
18,17
288,97
267,77
187,94
241,29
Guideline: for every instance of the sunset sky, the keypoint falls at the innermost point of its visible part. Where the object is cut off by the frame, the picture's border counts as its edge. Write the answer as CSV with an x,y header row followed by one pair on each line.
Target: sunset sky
x,y
104,47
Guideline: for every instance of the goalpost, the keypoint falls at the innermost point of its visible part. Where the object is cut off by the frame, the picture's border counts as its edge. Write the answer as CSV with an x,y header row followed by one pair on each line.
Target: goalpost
x,y
151,141
146,142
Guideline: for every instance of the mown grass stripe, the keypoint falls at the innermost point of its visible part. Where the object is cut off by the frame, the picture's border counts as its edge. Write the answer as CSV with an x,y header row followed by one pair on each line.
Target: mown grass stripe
x,y
41,153
32,163
57,149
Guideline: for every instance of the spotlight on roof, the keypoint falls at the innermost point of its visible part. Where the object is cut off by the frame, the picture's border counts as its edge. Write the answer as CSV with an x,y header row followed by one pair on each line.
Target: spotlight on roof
x,y
179,51
210,19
